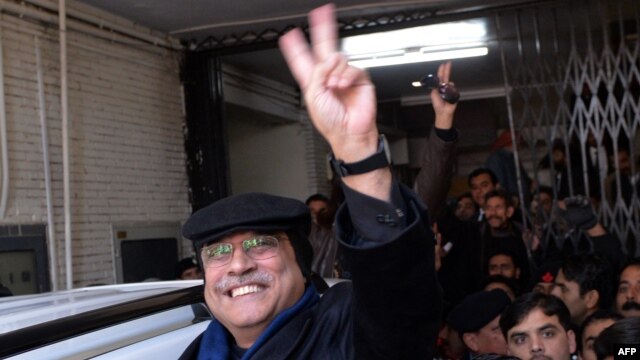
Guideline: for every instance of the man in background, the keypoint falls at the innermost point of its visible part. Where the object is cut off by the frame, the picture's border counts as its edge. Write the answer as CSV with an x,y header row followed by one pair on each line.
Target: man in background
x,y
538,326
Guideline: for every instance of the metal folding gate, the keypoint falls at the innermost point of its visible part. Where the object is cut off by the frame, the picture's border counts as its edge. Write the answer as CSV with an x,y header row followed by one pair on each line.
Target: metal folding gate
x,y
573,74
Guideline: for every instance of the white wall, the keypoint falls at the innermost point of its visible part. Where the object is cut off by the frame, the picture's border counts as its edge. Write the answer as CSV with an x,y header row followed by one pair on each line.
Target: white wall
x,y
260,108
266,156
126,143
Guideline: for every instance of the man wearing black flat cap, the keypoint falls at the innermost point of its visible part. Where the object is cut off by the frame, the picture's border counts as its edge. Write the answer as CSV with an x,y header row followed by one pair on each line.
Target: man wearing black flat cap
x,y
256,256
477,321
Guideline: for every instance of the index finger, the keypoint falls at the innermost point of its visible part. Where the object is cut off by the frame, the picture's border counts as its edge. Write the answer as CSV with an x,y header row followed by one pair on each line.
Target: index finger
x,y
444,72
295,50
324,31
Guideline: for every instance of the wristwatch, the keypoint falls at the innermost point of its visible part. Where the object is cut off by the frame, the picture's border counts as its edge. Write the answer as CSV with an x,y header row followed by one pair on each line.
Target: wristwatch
x,y
380,159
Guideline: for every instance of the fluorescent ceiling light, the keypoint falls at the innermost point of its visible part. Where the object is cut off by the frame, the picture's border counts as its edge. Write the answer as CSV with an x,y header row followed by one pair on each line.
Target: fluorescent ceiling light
x,y
417,37
424,43
417,56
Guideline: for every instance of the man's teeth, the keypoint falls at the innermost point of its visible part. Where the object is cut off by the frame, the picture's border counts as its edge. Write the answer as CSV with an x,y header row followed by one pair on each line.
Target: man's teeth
x,y
245,290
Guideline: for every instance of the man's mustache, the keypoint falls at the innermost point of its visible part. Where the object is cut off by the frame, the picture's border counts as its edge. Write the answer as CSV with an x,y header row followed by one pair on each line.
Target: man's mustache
x,y
631,305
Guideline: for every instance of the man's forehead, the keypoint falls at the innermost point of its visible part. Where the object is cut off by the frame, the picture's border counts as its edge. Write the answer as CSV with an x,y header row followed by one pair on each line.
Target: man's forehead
x,y
535,320
501,258
630,275
496,200
561,278
481,179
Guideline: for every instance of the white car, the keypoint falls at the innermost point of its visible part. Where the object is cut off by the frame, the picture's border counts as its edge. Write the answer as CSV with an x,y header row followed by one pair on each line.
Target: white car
x,y
151,320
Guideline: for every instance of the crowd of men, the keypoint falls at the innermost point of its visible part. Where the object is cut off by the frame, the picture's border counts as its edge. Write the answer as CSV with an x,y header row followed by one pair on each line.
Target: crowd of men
x,y
555,295
569,285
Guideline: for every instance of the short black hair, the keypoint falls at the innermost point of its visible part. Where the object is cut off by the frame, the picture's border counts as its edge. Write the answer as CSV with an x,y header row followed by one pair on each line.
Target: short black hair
x,y
506,252
624,331
633,262
590,272
465,194
501,193
316,197
479,171
510,283
596,316
184,264
523,305
629,263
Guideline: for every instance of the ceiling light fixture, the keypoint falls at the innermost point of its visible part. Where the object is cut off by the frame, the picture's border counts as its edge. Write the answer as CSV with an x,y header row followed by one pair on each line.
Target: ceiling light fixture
x,y
419,44
417,57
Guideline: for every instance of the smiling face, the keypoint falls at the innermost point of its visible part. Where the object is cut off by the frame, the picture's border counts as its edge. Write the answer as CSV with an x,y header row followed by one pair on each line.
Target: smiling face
x,y
245,295
539,336
480,186
497,212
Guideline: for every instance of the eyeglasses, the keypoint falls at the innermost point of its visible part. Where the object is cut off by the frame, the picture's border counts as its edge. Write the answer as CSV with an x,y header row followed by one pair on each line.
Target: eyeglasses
x,y
261,247
447,91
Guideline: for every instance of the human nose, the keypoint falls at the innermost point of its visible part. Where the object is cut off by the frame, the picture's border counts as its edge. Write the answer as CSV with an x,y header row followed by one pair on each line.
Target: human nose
x,y
537,347
240,262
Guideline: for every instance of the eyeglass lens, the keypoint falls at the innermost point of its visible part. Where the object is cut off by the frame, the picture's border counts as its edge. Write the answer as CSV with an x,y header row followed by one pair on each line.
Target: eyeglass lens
x,y
257,248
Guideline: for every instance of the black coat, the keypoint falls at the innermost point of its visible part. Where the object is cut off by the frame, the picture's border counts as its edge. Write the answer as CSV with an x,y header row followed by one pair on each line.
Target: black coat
x,y
390,310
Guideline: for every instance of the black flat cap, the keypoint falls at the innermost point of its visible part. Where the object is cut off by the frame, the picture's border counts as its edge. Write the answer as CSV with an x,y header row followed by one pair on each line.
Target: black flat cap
x,y
253,212
477,310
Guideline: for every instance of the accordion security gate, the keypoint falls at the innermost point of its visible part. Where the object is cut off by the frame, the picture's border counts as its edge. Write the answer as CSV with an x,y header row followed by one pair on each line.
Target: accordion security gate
x,y
572,71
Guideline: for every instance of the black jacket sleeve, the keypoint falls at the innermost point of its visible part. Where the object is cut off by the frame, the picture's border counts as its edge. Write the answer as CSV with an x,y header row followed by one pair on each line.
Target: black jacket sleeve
x,y
396,300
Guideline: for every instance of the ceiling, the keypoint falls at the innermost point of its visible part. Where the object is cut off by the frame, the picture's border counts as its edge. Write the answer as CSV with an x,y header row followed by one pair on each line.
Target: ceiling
x,y
194,20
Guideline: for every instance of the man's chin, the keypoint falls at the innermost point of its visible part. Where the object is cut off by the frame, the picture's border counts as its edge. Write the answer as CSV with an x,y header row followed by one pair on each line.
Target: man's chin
x,y
248,319
496,225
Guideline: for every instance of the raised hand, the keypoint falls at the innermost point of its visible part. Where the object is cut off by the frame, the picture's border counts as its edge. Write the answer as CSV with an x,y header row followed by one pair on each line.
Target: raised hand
x,y
444,110
340,98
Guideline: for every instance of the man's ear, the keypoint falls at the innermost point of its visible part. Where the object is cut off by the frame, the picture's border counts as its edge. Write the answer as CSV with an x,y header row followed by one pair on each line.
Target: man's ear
x,y
571,337
591,299
510,211
517,273
471,341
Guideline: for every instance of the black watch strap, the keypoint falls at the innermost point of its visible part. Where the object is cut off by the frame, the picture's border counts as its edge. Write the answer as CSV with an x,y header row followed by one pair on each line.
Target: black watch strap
x,y
380,159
